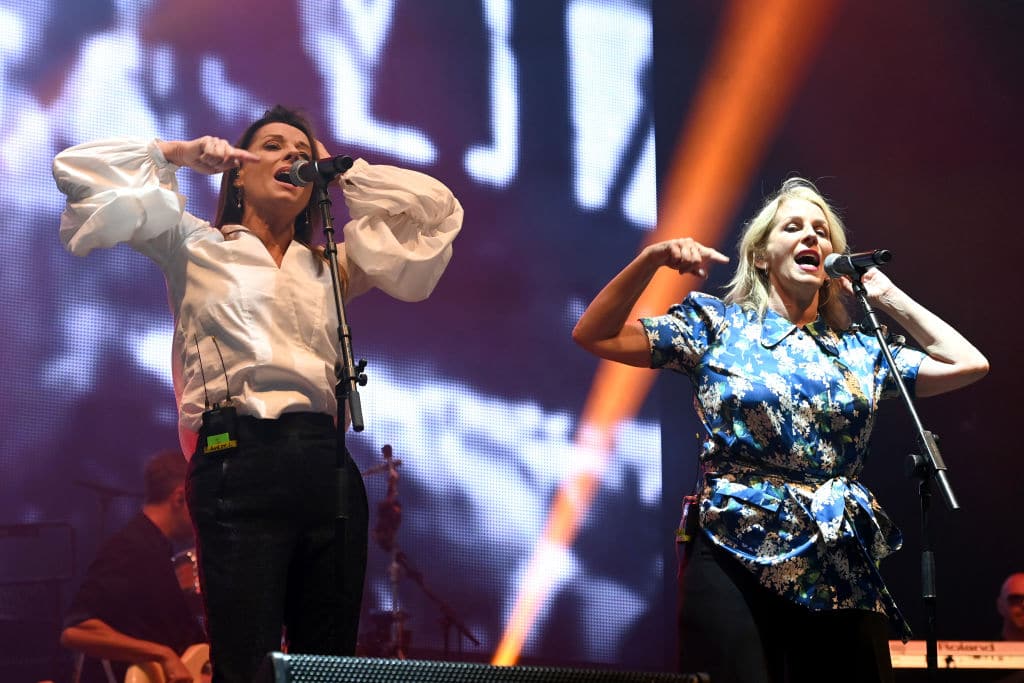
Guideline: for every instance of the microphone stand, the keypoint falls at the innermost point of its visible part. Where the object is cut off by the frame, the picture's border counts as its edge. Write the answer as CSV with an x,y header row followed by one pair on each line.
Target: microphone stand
x,y
348,373
926,468
448,618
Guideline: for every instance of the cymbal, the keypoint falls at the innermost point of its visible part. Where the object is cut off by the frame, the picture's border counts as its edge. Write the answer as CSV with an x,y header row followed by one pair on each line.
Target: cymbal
x,y
105,490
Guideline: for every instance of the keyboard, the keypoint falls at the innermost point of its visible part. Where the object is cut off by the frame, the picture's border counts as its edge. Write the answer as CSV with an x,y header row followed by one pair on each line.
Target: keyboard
x,y
960,654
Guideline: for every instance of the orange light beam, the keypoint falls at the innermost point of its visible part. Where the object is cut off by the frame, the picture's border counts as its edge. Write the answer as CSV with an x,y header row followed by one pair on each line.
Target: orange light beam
x,y
763,52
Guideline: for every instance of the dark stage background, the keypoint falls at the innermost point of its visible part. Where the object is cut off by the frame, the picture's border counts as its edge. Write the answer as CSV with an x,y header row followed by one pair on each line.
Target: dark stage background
x,y
541,117
909,119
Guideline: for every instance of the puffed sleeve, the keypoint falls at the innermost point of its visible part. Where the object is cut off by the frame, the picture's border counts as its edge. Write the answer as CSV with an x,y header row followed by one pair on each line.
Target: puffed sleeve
x,y
400,236
119,191
679,339
908,362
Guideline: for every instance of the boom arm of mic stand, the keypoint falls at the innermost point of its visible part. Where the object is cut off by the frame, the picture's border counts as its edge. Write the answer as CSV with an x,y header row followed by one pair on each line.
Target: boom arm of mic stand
x,y
350,374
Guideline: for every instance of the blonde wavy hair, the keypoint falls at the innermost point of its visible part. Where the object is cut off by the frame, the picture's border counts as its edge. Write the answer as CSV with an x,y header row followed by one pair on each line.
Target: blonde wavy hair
x,y
750,285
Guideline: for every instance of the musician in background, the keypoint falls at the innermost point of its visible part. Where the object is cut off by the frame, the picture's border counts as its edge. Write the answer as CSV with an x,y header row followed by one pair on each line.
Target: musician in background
x,y
131,606
1010,605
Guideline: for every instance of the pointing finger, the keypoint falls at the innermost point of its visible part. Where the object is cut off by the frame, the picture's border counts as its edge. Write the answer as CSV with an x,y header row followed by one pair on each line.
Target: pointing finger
x,y
714,255
243,155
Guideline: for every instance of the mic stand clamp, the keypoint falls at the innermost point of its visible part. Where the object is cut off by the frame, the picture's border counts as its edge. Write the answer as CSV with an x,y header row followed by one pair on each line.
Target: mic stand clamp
x,y
350,374
926,467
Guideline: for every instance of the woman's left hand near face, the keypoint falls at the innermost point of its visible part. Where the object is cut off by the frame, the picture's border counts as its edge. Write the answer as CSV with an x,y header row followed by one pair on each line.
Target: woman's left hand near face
x,y
321,151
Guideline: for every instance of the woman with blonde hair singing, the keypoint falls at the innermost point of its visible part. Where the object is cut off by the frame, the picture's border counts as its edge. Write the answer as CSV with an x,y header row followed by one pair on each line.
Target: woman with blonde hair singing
x,y
781,582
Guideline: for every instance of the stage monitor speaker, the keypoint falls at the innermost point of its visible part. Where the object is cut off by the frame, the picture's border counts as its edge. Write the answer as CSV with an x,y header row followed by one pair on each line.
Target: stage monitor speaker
x,y
282,668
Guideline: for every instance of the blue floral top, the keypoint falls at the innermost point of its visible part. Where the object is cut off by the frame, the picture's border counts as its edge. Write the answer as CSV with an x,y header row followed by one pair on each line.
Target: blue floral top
x,y
787,414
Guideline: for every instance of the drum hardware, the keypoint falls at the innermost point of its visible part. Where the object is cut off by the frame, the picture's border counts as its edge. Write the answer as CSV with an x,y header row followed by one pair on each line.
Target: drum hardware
x,y
106,495
389,519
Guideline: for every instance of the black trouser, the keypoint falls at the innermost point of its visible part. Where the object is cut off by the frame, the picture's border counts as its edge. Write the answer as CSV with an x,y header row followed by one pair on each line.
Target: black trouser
x,y
264,515
739,632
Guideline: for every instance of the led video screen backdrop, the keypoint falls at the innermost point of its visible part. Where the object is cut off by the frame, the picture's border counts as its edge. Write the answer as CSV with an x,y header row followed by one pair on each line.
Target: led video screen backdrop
x,y
536,115
540,115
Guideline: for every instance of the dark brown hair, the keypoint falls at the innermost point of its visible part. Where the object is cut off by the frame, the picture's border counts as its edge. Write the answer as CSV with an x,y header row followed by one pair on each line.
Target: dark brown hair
x,y
164,472
229,209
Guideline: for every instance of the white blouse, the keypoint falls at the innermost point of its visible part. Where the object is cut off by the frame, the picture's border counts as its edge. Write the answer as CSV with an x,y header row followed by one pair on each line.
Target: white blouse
x,y
275,327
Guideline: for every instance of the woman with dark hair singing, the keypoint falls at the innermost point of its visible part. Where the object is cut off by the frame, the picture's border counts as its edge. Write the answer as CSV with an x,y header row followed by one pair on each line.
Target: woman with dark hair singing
x,y
782,583
253,309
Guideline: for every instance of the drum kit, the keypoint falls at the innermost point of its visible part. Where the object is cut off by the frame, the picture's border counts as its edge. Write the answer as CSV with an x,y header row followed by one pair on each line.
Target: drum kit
x,y
388,636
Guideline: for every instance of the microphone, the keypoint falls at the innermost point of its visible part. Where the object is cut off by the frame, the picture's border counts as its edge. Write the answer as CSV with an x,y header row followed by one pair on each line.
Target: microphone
x,y
320,171
837,265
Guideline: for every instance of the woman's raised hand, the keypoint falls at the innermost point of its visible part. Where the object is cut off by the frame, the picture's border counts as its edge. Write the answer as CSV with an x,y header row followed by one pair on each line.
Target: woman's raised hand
x,y
207,154
685,255
321,151
879,287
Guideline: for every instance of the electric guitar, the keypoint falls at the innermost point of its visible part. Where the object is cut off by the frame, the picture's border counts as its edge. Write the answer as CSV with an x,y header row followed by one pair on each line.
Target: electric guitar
x,y
196,659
